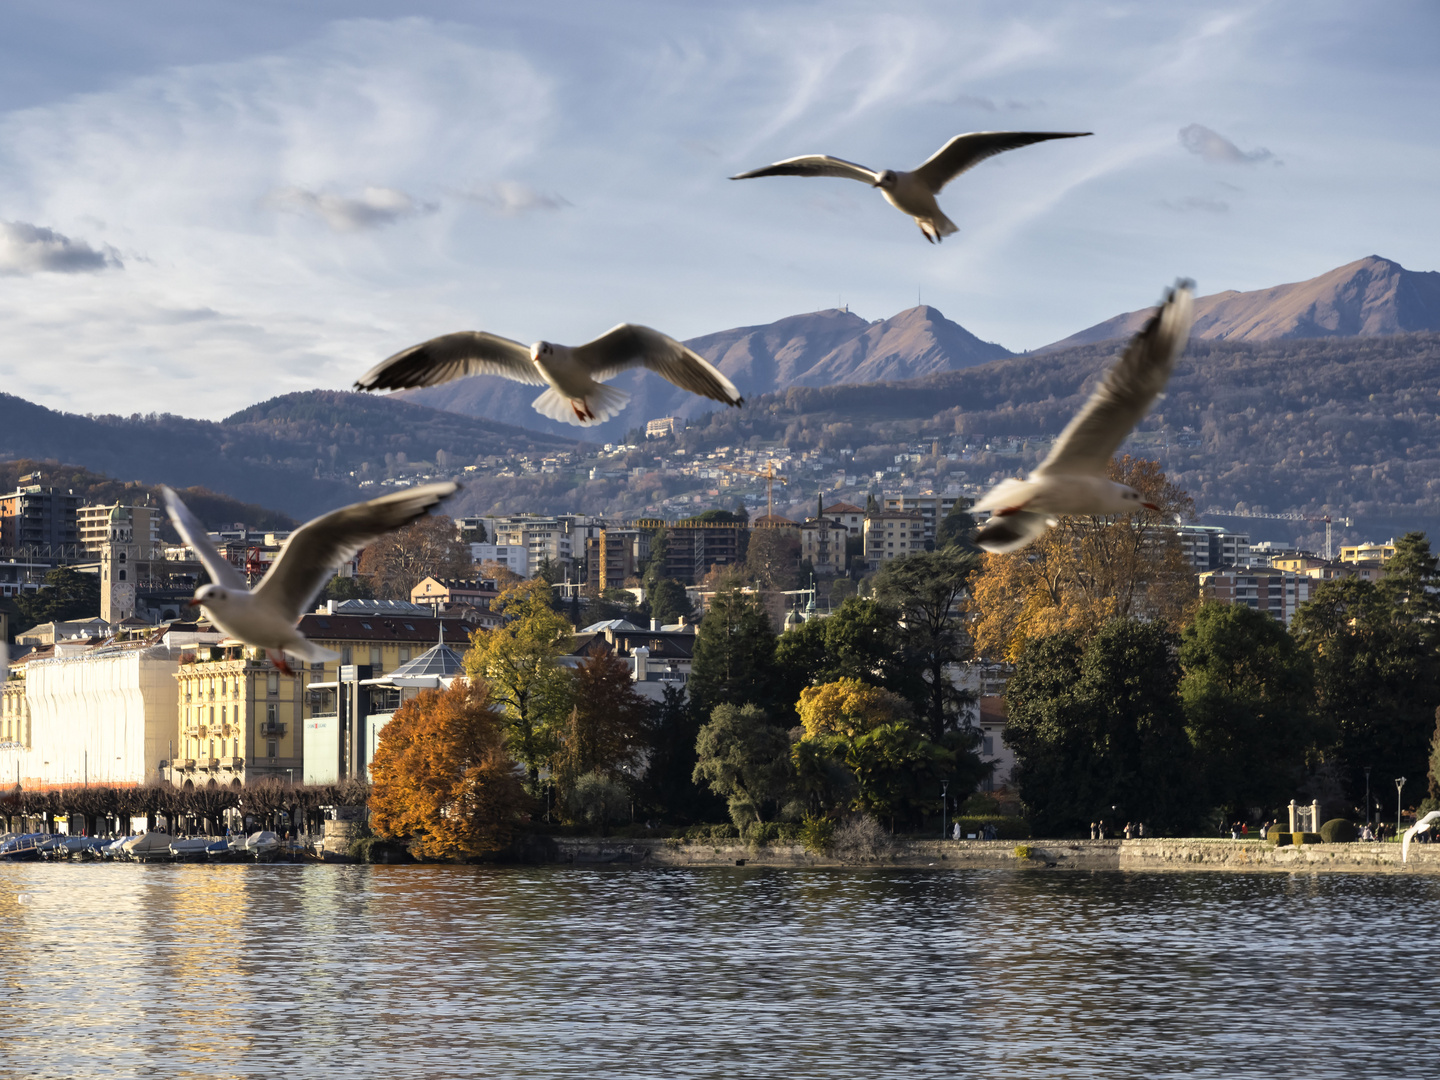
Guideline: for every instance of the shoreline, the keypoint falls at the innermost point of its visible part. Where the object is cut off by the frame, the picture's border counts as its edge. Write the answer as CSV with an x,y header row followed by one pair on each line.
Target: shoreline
x,y
1046,855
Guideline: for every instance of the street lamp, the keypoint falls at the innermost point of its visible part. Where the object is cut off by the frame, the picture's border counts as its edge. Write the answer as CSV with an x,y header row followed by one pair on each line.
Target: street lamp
x,y
944,805
1367,794
1399,783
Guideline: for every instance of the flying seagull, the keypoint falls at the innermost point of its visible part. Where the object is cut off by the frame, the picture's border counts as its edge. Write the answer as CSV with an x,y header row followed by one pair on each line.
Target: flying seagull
x,y
577,394
1424,825
1072,479
914,192
266,618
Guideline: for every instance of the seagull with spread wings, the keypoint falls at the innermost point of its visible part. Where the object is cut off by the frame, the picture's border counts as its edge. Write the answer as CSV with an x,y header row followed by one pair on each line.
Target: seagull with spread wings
x,y
576,375
267,617
1424,825
1072,479
914,192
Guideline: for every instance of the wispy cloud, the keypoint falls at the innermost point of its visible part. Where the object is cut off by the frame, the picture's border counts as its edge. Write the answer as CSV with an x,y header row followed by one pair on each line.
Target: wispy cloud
x,y
33,249
509,198
1212,146
1192,203
373,208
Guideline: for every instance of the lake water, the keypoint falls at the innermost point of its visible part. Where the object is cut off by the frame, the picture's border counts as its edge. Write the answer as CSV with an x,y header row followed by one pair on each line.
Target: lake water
x,y
321,971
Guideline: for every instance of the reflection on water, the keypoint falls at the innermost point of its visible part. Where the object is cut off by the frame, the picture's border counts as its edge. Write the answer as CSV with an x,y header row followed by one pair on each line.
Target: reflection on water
x,y
294,971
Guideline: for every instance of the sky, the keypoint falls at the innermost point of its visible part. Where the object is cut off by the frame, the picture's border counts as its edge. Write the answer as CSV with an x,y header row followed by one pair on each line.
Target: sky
x,y
206,205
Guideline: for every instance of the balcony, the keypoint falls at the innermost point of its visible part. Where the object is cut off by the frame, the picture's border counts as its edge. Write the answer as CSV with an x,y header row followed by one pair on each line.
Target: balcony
x,y
272,727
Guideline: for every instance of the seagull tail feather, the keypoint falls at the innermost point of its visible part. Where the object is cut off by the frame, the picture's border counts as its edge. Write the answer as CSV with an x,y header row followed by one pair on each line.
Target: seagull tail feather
x,y
309,651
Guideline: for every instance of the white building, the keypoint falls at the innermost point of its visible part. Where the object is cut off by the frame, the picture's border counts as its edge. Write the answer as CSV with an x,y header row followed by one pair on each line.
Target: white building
x,y
99,715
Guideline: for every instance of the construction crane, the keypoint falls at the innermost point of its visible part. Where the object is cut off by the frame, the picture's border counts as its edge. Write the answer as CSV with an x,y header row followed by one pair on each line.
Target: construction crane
x,y
769,476
1215,511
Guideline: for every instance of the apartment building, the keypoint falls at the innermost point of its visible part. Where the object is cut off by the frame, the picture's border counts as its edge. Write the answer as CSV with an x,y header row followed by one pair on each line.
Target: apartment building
x,y
1278,593
1209,547
849,515
38,519
1367,552
535,539
692,548
614,556
136,526
437,594
931,508
822,541
893,534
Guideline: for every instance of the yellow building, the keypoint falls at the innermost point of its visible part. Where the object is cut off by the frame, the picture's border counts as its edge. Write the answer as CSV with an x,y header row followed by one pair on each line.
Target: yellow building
x,y
892,534
239,719
1367,553
14,714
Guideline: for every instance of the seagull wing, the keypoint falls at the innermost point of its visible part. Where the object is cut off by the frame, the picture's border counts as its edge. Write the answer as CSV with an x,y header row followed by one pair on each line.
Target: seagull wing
x,y
1011,532
1405,843
966,151
314,550
815,165
450,357
194,535
1126,392
629,346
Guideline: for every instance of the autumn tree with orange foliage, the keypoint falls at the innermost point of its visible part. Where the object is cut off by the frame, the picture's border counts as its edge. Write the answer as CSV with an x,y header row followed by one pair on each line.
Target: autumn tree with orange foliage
x,y
1087,570
442,777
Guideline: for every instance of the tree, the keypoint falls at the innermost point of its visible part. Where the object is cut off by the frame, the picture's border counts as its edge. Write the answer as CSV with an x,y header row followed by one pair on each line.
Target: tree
x,y
348,588
772,559
499,573
1377,674
733,659
1434,771
400,560
1246,689
441,775
926,590
956,528
745,759
668,601
671,732
603,732
518,663
1098,731
1087,570
861,640
66,594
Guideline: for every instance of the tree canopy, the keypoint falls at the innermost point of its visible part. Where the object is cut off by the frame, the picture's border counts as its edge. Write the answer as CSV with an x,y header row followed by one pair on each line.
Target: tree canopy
x,y
400,560
442,777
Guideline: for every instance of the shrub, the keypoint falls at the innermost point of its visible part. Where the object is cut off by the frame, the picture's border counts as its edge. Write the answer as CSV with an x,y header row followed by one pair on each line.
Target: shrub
x,y
817,833
1278,838
1299,838
862,839
1023,851
1338,831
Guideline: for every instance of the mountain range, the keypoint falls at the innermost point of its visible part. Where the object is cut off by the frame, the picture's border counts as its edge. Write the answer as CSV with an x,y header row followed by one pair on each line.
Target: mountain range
x,y
821,348
1366,298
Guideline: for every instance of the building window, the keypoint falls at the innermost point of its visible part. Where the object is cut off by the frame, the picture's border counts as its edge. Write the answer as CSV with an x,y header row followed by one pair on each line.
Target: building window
x,y
375,658
272,748
272,713
404,654
346,655
120,576
272,683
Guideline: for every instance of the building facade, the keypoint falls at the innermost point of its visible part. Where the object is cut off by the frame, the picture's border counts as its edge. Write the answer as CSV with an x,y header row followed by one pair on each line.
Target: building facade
x,y
892,534
1278,593
39,520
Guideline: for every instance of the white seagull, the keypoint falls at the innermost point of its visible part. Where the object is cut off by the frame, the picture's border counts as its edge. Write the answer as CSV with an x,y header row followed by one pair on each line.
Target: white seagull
x,y
914,192
1072,480
1424,825
266,618
577,394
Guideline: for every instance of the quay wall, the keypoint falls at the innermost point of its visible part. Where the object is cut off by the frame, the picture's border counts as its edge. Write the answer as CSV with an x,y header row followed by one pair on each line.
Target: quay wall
x,y
1044,856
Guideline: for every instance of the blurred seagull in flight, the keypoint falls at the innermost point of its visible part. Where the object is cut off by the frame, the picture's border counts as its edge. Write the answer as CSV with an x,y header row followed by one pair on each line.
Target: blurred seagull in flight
x,y
266,617
1072,480
1424,825
575,375
914,192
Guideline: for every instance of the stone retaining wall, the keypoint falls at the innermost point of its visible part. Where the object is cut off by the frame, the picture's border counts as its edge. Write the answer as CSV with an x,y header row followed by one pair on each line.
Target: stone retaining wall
x,y
1045,855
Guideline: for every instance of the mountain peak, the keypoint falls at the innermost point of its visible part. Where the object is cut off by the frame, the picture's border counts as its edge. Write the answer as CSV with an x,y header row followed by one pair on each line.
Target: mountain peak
x,y
1369,297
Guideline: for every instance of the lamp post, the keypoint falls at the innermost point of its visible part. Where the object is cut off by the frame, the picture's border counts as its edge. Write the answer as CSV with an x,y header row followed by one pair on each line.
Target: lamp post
x,y
1367,794
944,805
1399,783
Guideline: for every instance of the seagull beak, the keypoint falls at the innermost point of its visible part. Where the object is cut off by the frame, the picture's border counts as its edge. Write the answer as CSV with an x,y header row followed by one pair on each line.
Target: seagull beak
x,y
1151,506
193,603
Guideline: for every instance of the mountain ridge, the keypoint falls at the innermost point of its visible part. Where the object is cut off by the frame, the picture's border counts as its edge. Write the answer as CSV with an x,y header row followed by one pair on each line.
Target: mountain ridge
x,y
1369,297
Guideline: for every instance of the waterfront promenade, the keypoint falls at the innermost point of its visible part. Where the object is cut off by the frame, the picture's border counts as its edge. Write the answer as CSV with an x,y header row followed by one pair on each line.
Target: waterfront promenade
x,y
1043,855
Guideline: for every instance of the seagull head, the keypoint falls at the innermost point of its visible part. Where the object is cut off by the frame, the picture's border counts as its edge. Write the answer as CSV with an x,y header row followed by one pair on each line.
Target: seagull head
x,y
887,179
541,349
210,596
1131,497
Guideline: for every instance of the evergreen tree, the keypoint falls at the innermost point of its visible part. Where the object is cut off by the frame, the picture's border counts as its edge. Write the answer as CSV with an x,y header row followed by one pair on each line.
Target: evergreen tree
x,y
667,788
1246,689
66,594
734,655
1098,731
745,759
